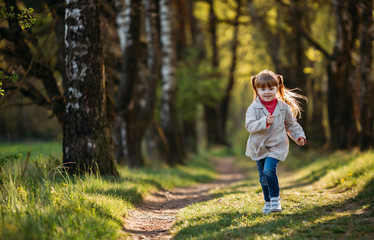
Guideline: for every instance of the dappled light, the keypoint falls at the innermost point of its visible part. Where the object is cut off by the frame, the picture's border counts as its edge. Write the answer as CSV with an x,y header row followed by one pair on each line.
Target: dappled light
x,y
186,119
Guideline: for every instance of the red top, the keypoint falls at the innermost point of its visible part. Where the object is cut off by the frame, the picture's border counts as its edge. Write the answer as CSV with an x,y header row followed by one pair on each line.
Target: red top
x,y
270,106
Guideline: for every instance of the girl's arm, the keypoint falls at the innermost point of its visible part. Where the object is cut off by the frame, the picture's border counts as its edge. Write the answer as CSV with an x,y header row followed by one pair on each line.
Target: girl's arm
x,y
294,130
252,124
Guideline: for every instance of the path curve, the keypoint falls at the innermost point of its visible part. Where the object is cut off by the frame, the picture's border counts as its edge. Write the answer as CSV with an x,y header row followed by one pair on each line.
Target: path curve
x,y
153,218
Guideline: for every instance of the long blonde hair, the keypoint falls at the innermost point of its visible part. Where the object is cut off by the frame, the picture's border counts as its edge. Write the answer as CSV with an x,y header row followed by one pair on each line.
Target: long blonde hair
x,y
268,79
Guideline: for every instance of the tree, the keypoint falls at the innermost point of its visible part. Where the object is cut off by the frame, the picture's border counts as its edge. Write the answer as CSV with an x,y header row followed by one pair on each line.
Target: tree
x,y
25,20
228,92
212,113
367,80
168,115
23,50
128,22
344,73
87,142
134,118
343,82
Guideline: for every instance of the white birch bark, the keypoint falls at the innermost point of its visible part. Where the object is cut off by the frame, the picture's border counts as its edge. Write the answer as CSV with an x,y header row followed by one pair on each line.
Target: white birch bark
x,y
128,20
123,20
167,62
87,138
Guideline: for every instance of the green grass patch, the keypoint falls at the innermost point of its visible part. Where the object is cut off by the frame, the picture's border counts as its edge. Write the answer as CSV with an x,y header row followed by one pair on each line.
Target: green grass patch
x,y
36,149
41,202
324,196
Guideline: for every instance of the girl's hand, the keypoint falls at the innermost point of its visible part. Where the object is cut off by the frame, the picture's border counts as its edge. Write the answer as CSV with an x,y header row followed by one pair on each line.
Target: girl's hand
x,y
270,119
301,141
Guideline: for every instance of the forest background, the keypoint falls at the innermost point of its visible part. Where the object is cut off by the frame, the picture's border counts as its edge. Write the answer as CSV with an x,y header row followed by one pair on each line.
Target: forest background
x,y
177,74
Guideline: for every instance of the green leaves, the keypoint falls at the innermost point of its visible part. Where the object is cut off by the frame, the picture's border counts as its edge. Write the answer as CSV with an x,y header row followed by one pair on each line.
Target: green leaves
x,y
24,17
198,83
13,78
25,20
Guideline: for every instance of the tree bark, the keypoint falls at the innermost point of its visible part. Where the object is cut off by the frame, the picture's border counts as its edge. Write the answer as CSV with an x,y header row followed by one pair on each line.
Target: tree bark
x,y
168,120
367,80
87,142
212,114
126,134
230,84
343,83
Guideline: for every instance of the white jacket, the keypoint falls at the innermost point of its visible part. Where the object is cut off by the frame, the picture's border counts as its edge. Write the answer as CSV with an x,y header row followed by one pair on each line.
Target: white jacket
x,y
272,141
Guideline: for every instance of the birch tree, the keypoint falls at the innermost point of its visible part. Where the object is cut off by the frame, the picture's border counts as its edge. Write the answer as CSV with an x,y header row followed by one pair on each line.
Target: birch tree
x,y
126,134
87,142
168,118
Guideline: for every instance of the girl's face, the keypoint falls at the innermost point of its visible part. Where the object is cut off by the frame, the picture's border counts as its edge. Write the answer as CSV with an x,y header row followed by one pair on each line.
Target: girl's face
x,y
267,94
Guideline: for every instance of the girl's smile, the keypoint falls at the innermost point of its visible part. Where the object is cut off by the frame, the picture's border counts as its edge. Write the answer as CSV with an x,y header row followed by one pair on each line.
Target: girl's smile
x,y
267,94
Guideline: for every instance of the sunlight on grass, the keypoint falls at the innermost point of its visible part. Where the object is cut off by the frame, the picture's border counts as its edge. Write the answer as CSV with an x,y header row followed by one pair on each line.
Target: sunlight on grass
x,y
38,201
309,209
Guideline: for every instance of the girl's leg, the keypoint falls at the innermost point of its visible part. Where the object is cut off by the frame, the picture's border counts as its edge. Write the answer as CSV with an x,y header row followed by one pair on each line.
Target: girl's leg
x,y
270,172
264,183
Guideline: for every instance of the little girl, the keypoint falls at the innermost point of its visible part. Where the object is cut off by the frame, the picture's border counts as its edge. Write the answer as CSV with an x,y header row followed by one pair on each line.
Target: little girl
x,y
269,119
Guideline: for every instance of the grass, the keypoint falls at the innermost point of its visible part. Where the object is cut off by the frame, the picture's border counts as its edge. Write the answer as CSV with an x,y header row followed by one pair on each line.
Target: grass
x,y
36,148
324,196
44,203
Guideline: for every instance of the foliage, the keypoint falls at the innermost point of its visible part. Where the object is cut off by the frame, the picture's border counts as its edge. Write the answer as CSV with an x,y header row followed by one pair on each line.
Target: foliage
x,y
198,83
313,208
26,20
25,16
45,203
13,78
9,158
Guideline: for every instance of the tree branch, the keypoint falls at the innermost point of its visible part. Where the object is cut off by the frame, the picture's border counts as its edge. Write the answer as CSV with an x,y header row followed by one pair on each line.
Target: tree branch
x,y
303,33
29,91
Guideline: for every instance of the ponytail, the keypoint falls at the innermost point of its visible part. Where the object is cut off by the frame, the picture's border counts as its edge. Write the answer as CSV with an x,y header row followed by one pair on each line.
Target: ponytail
x,y
253,79
290,97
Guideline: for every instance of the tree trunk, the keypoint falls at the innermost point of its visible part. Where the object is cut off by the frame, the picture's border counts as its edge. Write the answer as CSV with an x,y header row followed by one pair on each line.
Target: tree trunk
x,y
182,8
316,129
298,53
367,80
168,120
126,135
230,85
343,84
128,22
212,114
87,142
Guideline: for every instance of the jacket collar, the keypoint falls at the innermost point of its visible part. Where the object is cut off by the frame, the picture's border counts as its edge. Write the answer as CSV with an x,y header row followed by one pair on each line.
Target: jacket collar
x,y
280,106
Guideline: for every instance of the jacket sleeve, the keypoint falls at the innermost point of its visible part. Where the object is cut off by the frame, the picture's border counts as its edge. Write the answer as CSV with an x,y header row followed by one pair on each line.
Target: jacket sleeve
x,y
294,130
252,124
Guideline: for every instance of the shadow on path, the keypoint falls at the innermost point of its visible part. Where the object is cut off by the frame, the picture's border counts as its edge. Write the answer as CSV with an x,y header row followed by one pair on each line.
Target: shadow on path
x,y
153,218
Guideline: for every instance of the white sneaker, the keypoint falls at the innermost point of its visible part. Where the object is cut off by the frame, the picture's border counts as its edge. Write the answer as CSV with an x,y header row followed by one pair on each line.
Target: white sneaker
x,y
275,205
266,208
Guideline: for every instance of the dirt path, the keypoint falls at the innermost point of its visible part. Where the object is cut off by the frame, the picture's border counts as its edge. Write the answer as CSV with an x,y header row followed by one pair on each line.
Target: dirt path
x,y
153,218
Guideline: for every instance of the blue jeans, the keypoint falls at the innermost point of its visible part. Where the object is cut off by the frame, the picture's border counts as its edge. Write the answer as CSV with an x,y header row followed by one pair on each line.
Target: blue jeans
x,y
267,169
